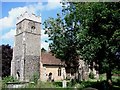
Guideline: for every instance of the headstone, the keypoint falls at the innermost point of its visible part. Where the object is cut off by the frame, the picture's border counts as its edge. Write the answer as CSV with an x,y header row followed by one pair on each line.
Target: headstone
x,y
97,76
64,83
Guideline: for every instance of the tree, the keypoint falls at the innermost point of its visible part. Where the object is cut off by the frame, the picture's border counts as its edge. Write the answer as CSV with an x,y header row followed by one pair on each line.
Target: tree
x,y
6,59
99,34
95,36
64,40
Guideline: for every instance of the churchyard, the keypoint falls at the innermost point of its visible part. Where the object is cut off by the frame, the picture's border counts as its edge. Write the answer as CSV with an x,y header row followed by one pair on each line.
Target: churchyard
x,y
71,85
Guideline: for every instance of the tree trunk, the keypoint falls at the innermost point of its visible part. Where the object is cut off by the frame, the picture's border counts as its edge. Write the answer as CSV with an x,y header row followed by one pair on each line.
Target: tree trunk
x,y
109,75
109,78
109,71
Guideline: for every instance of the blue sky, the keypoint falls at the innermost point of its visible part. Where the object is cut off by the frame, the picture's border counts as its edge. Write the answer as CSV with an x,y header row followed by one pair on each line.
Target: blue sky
x,y
11,10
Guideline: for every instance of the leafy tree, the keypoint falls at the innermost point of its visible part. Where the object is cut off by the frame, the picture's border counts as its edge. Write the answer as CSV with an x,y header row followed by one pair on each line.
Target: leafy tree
x,y
90,30
6,59
100,33
64,40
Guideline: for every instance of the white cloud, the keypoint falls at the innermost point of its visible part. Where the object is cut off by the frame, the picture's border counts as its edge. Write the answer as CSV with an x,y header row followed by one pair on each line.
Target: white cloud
x,y
53,4
9,35
9,22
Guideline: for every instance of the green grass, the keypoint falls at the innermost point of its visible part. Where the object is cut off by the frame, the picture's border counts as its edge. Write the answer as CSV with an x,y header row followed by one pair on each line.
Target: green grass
x,y
81,85
0,84
115,78
102,77
41,84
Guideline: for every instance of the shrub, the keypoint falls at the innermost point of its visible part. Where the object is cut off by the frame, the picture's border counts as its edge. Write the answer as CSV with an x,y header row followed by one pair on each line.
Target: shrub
x,y
35,77
102,77
45,85
91,75
116,72
8,79
0,84
58,84
40,84
118,81
77,85
30,85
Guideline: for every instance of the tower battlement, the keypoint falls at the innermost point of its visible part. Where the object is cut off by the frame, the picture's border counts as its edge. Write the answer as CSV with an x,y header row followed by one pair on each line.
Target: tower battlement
x,y
32,17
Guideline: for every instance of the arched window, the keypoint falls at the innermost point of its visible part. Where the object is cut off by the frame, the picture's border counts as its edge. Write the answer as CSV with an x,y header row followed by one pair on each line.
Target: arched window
x,y
32,28
59,71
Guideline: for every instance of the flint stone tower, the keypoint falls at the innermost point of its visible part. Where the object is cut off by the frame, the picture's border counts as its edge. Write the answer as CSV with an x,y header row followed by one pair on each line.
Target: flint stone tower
x,y
26,51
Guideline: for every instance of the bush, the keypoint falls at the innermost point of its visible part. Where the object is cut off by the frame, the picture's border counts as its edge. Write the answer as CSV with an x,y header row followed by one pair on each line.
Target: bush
x,y
35,78
8,79
45,85
0,84
77,85
91,75
58,84
84,84
116,72
118,81
69,84
40,84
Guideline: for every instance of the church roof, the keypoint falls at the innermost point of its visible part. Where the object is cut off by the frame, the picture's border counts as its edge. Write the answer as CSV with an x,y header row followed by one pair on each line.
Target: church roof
x,y
48,59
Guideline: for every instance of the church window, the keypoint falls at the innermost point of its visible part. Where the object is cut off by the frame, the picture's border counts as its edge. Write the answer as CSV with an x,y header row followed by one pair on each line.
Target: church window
x,y
59,71
33,27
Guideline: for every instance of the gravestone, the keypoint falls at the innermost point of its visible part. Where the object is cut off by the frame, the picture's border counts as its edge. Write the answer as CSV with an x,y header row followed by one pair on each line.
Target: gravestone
x,y
83,71
26,51
64,83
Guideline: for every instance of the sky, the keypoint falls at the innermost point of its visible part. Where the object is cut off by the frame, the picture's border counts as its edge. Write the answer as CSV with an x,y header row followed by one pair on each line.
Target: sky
x,y
12,9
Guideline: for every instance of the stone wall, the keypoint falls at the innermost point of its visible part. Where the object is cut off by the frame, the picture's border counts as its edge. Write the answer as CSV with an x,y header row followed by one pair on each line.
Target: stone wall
x,y
17,50
32,42
45,70
31,66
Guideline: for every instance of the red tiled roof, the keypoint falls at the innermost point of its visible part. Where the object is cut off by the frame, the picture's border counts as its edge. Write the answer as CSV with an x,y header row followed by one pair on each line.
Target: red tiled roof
x,y
48,59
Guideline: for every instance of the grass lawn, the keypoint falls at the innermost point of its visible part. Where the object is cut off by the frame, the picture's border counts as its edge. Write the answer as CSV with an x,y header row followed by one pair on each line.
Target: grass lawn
x,y
93,83
0,84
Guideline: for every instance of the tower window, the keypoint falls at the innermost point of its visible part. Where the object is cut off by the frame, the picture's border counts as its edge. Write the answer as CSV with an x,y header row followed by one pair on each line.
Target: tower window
x,y
33,27
59,71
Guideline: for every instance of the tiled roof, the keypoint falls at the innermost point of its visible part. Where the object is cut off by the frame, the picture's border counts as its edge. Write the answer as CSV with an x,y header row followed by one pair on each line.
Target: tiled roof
x,y
48,59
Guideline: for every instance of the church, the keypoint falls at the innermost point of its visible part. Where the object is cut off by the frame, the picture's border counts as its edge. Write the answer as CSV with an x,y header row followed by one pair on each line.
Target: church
x,y
27,57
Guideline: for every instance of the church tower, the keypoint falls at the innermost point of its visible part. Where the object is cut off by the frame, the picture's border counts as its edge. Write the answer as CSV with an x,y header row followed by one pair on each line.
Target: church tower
x,y
26,51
